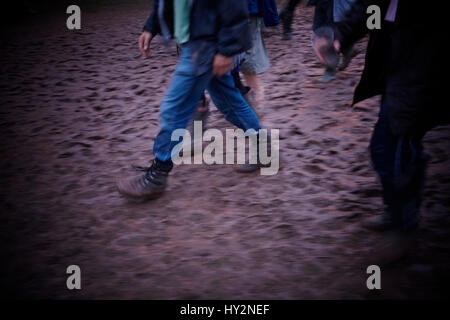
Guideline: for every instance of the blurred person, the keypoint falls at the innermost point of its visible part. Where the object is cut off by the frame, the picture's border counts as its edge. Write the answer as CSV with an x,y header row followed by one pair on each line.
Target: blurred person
x,y
243,89
404,61
210,34
323,18
202,111
287,17
323,13
256,60
340,8
326,13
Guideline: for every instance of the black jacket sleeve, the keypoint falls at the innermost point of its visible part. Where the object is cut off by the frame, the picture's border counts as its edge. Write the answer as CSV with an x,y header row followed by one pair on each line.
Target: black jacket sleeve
x,y
152,23
234,32
353,27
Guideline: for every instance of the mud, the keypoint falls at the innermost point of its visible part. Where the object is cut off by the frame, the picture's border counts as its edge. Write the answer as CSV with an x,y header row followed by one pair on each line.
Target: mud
x,y
78,108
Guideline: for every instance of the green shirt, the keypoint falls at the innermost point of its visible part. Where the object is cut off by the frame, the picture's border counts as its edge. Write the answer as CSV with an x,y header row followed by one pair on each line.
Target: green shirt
x,y
182,16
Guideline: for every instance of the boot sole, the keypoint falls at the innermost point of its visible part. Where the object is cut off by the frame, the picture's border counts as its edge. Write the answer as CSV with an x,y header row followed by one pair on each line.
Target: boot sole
x,y
152,196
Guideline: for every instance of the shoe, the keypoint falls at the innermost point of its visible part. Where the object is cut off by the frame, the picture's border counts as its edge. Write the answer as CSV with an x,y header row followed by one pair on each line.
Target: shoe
x,y
348,55
248,167
380,223
329,75
251,167
287,35
395,245
148,185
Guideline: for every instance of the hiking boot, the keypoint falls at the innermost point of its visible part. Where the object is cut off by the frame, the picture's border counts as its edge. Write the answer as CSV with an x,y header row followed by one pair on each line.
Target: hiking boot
x,y
148,185
380,223
392,248
251,167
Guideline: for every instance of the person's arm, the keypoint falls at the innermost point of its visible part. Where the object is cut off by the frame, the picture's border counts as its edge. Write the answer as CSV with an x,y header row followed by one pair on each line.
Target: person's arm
x,y
150,30
353,25
346,32
152,23
234,34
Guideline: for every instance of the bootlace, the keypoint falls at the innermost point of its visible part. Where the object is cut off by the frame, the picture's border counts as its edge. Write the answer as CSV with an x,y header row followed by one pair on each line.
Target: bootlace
x,y
153,171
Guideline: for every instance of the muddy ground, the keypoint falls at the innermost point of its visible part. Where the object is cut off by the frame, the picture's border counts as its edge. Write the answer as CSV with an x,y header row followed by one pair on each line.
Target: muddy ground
x,y
78,108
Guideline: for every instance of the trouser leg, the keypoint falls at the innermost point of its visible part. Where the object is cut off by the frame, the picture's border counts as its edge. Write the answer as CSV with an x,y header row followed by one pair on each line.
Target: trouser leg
x,y
230,102
400,164
179,104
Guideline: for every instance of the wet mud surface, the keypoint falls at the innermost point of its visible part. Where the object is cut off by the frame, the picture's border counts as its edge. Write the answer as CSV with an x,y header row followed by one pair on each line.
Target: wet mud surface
x,y
78,108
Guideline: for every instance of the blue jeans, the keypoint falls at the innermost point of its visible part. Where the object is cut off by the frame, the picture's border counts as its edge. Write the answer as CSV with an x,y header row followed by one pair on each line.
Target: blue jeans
x,y
183,95
400,164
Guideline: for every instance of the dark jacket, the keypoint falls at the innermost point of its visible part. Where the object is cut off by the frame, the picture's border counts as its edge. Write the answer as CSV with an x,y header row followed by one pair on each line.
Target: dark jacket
x,y
314,2
216,26
404,60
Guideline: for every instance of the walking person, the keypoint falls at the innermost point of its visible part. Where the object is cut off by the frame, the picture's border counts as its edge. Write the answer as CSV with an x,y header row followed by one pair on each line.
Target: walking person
x,y
287,17
340,8
256,60
403,64
210,34
322,22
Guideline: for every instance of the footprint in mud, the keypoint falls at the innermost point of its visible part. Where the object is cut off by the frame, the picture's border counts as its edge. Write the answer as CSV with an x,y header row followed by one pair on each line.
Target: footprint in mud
x,y
315,169
129,131
66,155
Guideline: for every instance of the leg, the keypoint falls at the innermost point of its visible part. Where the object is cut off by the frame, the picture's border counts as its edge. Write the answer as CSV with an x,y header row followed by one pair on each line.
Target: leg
x,y
322,14
230,102
400,164
256,59
287,16
382,151
176,109
348,53
290,6
323,17
410,165
179,104
252,80
238,83
245,92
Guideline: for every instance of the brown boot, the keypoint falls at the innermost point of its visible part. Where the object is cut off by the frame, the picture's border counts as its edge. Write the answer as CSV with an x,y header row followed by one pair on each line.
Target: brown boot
x,y
148,185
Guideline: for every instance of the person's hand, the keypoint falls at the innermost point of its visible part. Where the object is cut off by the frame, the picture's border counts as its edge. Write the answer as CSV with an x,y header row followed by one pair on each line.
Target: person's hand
x,y
144,44
337,46
222,65
320,45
